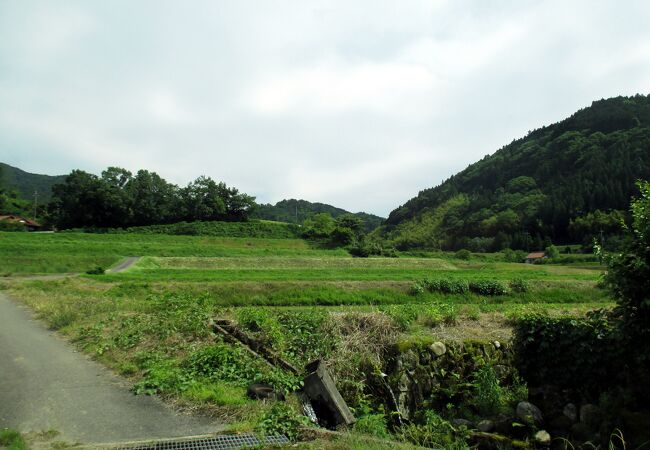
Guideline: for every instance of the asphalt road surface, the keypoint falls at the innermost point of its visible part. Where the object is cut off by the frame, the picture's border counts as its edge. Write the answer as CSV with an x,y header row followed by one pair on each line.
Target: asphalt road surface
x,y
45,384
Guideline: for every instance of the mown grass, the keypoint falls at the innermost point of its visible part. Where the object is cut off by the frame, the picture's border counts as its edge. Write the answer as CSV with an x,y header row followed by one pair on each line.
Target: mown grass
x,y
77,252
318,268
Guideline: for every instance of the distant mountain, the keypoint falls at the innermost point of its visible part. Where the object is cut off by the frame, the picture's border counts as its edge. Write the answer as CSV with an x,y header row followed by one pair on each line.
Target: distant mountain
x,y
564,182
296,211
26,183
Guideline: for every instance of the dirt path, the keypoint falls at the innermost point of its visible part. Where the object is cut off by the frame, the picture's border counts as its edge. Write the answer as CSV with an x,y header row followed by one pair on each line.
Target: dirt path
x,y
124,264
45,384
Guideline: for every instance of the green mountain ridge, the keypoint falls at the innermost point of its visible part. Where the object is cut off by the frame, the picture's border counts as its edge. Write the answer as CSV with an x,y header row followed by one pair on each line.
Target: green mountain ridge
x,y
296,211
564,182
27,183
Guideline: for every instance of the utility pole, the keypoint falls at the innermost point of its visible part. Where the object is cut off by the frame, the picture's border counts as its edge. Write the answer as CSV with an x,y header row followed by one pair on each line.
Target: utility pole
x,y
35,202
296,213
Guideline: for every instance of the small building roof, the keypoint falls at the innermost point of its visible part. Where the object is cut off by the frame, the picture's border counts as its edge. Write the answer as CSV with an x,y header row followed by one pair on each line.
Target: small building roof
x,y
536,255
19,219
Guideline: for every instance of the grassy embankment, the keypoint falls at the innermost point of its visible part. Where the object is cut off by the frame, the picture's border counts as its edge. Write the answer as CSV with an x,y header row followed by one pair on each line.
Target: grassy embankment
x,y
150,323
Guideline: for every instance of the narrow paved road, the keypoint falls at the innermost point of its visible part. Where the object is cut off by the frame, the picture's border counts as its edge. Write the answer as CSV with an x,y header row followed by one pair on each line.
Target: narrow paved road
x,y
45,384
125,264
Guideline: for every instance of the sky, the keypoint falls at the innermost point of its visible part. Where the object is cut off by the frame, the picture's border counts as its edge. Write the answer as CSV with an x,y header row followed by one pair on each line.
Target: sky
x,y
359,104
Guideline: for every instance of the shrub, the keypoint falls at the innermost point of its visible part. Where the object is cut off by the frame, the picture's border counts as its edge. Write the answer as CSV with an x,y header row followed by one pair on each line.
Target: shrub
x,y
519,285
281,418
581,355
552,252
488,287
417,288
463,254
447,286
489,396
435,432
97,270
373,424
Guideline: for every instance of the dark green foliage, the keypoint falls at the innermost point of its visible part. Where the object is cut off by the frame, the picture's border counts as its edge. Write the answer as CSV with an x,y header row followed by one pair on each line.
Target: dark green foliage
x,y
97,270
463,254
488,287
299,211
627,279
531,190
222,229
119,199
581,355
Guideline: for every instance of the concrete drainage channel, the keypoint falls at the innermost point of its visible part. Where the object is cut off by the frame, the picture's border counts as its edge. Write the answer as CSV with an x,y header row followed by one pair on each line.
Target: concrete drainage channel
x,y
218,442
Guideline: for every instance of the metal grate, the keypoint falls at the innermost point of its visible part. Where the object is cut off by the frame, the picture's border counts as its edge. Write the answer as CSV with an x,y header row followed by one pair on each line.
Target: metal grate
x,y
224,441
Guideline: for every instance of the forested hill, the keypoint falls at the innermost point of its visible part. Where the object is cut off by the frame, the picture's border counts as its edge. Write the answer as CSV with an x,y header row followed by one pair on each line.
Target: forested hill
x,y
564,182
26,183
296,211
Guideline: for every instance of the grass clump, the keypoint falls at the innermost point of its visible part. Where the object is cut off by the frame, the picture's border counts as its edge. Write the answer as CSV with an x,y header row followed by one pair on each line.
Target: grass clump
x,y
282,419
12,440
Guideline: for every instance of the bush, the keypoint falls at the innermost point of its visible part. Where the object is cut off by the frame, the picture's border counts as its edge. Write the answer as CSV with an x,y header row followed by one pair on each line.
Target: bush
x,y
516,256
488,287
97,270
281,418
581,355
519,285
463,254
447,286
373,424
552,252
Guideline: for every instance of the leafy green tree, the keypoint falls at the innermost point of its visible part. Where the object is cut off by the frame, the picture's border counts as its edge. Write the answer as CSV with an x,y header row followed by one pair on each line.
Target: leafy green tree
x,y
552,252
153,200
203,200
627,278
319,226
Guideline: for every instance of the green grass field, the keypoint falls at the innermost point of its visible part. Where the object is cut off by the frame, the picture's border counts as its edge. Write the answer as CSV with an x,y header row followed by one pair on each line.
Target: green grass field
x,y
23,253
149,323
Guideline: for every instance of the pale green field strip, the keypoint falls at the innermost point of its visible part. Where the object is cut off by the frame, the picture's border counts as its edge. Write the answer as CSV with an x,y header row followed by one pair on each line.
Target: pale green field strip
x,y
341,269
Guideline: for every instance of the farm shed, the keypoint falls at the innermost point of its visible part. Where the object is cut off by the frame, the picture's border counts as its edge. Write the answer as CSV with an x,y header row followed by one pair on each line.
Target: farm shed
x,y
534,257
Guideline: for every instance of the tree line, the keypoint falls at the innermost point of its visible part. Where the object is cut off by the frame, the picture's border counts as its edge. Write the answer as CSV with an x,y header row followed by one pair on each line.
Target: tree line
x,y
117,199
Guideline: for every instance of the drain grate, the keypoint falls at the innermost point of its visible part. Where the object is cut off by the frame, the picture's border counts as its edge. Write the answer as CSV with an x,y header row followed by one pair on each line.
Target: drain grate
x,y
221,442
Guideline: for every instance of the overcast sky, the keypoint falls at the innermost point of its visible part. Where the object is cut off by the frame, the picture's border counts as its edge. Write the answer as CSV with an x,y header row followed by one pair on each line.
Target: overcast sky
x,y
359,104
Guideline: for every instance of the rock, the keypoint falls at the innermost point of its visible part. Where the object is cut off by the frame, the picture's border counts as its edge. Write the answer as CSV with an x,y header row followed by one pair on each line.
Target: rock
x,y
403,383
496,344
462,423
542,437
529,413
438,348
505,425
486,426
591,416
571,411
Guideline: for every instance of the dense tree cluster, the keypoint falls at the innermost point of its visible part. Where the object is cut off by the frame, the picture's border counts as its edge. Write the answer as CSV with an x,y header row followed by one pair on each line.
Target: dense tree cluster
x,y
118,198
566,182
